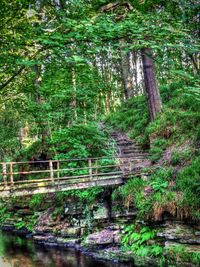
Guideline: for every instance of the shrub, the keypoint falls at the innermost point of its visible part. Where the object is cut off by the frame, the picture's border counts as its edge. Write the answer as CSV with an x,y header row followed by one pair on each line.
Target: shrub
x,y
140,242
188,183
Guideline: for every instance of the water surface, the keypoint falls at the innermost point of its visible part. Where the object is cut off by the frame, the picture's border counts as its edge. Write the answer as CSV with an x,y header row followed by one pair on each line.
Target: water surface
x,y
19,252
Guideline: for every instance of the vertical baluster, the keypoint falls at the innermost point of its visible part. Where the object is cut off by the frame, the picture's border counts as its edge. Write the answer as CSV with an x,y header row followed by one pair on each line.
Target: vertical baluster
x,y
96,165
11,174
4,175
90,167
51,170
58,169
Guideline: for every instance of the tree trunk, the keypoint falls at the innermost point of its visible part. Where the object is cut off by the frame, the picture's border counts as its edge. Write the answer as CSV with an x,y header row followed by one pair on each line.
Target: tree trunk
x,y
126,74
40,117
152,92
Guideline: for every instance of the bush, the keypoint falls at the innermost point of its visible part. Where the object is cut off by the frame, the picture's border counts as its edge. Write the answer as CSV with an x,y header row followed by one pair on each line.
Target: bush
x,y
188,183
131,192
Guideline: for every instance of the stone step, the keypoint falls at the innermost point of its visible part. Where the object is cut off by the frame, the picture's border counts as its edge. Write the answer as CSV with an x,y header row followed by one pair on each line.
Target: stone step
x,y
132,150
131,147
125,143
134,154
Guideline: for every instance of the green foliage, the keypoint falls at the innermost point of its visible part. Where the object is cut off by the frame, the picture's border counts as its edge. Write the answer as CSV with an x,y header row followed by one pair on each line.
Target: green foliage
x,y
158,145
139,242
189,184
20,225
4,215
159,186
180,156
155,154
131,192
90,195
133,116
162,174
181,254
36,201
79,141
87,196
57,211
27,224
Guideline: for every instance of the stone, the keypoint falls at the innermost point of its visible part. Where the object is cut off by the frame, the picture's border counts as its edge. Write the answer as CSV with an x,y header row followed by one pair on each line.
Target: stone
x,y
100,213
70,231
83,223
68,241
104,237
44,238
180,233
25,212
42,229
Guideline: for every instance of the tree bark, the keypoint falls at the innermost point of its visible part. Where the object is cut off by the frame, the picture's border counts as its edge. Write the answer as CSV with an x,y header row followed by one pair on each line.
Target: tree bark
x,y
126,73
152,92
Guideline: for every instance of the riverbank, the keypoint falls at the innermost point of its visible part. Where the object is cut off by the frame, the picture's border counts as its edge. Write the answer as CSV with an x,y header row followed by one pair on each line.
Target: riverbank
x,y
96,235
18,251
111,254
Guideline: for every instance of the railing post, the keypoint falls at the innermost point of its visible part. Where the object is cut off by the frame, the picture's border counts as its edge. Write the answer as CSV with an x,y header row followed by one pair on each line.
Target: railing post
x,y
11,174
58,169
96,165
51,170
90,167
4,175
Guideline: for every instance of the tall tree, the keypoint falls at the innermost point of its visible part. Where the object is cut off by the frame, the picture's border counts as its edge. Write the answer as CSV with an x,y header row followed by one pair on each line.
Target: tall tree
x,y
152,92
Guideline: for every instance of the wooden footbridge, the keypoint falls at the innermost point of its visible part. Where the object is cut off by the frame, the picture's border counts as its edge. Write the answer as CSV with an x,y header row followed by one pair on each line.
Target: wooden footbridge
x,y
33,177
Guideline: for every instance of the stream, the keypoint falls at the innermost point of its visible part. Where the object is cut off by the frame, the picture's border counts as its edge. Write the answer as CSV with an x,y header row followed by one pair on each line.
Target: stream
x,y
16,251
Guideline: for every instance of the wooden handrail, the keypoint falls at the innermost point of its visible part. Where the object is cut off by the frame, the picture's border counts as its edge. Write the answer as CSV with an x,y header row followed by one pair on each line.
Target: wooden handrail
x,y
68,169
66,177
68,160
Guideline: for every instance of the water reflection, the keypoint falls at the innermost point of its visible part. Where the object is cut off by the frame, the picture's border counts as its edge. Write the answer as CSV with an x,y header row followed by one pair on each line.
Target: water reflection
x,y
18,252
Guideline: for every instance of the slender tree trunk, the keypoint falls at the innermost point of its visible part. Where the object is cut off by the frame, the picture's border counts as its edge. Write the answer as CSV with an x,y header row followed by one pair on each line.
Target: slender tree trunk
x,y
152,92
74,98
42,120
126,73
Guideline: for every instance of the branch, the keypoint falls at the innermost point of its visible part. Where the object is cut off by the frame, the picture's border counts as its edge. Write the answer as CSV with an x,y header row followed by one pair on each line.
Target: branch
x,y
12,78
18,72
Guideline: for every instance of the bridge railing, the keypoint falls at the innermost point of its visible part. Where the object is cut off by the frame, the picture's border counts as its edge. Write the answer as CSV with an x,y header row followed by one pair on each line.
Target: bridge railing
x,y
30,172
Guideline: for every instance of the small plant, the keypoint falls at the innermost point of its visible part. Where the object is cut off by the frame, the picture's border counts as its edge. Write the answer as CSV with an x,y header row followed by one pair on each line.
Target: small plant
x,y
155,154
4,215
36,201
131,192
141,242
175,158
57,212
159,186
178,157
19,225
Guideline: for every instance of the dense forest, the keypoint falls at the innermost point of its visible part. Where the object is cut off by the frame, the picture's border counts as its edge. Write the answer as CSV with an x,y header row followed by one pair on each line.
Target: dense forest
x,y
72,73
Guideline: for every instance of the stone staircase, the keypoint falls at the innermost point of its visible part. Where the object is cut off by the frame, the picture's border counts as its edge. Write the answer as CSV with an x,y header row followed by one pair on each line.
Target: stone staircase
x,y
132,157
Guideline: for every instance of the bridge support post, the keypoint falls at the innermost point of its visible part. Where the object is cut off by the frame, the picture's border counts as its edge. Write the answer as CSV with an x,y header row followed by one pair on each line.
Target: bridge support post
x,y
4,175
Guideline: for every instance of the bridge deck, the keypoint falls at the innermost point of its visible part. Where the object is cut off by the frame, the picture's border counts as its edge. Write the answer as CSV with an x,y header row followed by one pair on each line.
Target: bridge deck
x,y
33,177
